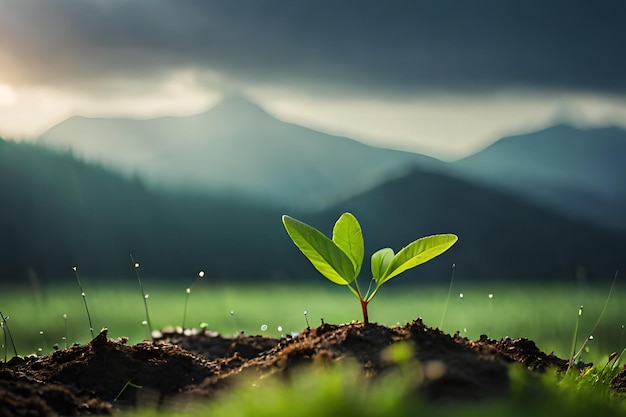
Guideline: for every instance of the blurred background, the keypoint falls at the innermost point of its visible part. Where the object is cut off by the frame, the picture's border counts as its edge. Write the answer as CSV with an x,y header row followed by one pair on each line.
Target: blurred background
x,y
180,132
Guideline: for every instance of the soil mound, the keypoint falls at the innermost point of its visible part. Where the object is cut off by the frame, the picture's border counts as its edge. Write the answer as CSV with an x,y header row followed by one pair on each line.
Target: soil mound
x,y
104,375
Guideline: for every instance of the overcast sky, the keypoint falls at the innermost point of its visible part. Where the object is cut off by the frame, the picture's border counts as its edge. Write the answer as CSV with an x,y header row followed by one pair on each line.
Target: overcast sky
x,y
439,77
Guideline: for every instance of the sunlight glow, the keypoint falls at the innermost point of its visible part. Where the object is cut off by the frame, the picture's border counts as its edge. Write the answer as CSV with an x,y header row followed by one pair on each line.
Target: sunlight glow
x,y
7,96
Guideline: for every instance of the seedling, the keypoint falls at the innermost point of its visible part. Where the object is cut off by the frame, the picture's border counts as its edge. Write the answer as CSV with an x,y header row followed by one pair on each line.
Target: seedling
x,y
339,259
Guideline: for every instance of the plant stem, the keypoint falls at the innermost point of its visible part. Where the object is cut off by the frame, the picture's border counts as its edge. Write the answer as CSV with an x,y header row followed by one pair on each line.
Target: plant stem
x,y
82,293
7,331
145,296
364,309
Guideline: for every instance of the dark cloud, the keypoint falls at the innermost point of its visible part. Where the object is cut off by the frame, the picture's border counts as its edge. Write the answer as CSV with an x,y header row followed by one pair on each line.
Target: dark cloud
x,y
360,44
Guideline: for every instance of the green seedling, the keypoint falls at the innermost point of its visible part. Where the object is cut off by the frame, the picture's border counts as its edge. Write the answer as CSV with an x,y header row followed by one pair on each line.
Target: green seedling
x,y
340,259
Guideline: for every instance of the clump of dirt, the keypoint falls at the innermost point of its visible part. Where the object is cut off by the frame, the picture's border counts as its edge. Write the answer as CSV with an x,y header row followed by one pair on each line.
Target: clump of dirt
x,y
104,375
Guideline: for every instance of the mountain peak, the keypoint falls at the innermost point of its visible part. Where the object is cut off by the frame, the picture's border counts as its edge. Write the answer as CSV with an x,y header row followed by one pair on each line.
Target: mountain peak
x,y
237,104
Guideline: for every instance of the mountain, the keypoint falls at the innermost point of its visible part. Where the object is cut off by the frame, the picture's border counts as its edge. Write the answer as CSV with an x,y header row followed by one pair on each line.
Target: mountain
x,y
235,146
501,236
580,172
58,211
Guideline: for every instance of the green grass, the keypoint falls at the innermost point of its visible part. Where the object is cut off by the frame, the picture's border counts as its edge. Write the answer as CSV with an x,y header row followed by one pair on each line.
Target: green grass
x,y
333,392
546,314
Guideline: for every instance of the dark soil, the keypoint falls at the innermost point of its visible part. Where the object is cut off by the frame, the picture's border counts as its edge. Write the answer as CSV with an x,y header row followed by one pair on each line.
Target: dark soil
x,y
102,376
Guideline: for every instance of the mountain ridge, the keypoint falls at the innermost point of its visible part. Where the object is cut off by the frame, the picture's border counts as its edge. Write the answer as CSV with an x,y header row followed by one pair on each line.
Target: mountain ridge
x,y
578,171
237,145
59,211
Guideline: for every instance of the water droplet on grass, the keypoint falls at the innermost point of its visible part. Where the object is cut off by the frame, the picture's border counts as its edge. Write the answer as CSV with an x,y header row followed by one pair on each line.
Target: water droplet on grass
x,y
136,264
188,290
590,337
146,296
280,328
263,327
232,313
201,274
490,295
461,295
144,323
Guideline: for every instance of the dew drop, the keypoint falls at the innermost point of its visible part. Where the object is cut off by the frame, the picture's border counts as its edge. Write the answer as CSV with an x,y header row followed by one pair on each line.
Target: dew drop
x,y
461,295
306,312
136,264
263,327
490,295
201,274
280,328
188,290
74,268
146,296
65,316
145,323
232,313
82,293
580,311
464,329
41,332
590,337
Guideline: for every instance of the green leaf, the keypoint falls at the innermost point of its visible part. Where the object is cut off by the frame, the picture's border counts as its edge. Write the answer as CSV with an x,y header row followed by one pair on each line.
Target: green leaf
x,y
348,237
380,261
416,253
322,252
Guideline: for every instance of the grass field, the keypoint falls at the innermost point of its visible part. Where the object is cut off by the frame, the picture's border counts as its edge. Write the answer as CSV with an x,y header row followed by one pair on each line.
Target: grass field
x,y
546,314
